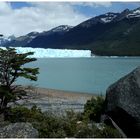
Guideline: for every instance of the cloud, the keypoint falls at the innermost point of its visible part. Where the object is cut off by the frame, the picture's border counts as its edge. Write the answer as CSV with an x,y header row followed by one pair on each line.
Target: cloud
x,y
93,4
41,16
5,8
37,17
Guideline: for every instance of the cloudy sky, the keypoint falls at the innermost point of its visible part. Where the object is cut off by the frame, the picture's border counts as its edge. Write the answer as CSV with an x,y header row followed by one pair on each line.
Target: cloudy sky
x,y
20,18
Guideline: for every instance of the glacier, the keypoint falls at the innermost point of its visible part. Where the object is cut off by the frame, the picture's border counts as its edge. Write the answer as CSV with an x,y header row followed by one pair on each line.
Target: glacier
x,y
53,53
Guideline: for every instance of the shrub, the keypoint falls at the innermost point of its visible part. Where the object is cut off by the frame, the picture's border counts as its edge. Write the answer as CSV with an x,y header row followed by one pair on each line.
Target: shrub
x,y
70,123
48,125
52,126
84,131
23,114
93,109
107,132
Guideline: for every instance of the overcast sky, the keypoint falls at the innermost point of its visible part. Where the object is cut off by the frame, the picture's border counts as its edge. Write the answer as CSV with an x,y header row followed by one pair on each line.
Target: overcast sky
x,y
20,18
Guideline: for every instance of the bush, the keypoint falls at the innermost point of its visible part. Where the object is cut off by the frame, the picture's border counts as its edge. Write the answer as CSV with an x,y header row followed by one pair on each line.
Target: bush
x,y
58,127
48,125
93,109
107,132
51,126
70,123
23,114
84,131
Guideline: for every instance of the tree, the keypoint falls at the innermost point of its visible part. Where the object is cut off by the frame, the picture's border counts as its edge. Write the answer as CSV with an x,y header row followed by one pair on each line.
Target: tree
x,y
11,68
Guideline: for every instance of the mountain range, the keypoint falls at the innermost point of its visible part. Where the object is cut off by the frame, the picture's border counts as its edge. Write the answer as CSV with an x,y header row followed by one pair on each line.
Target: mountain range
x,y
108,34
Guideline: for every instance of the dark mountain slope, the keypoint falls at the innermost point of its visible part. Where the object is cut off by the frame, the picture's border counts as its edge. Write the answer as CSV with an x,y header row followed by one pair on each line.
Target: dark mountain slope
x,y
22,40
47,39
121,39
82,34
107,34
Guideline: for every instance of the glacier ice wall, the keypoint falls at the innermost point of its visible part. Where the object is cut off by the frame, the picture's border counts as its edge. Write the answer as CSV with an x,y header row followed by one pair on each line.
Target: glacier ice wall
x,y
44,53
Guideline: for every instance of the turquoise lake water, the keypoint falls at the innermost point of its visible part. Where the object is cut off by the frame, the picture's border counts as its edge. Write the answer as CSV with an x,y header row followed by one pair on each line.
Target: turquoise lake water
x,y
89,75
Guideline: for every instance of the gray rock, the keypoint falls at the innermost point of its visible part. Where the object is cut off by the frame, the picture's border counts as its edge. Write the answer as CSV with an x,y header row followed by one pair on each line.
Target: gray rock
x,y
123,103
18,130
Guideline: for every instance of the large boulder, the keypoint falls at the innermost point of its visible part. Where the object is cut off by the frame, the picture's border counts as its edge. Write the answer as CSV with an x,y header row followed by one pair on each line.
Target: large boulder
x,y
18,130
123,103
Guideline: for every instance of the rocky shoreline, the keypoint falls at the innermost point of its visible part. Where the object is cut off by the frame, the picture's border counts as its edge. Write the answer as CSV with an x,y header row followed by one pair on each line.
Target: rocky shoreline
x,y
55,101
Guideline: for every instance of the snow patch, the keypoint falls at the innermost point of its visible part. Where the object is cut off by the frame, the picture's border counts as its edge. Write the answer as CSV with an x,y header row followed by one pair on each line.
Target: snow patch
x,y
61,28
106,20
135,13
109,17
4,39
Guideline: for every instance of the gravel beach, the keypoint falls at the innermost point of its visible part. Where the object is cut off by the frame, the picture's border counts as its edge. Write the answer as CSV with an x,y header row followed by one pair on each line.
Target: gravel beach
x,y
55,101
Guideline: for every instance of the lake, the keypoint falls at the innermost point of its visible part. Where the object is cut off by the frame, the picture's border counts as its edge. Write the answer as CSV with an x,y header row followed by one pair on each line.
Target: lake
x,y
89,75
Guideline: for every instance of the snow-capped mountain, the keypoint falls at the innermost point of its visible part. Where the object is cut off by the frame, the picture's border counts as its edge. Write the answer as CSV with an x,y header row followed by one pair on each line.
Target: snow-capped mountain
x,y
32,35
6,39
57,30
62,28
106,34
112,17
105,18
50,36
108,17
22,40
26,39
134,13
